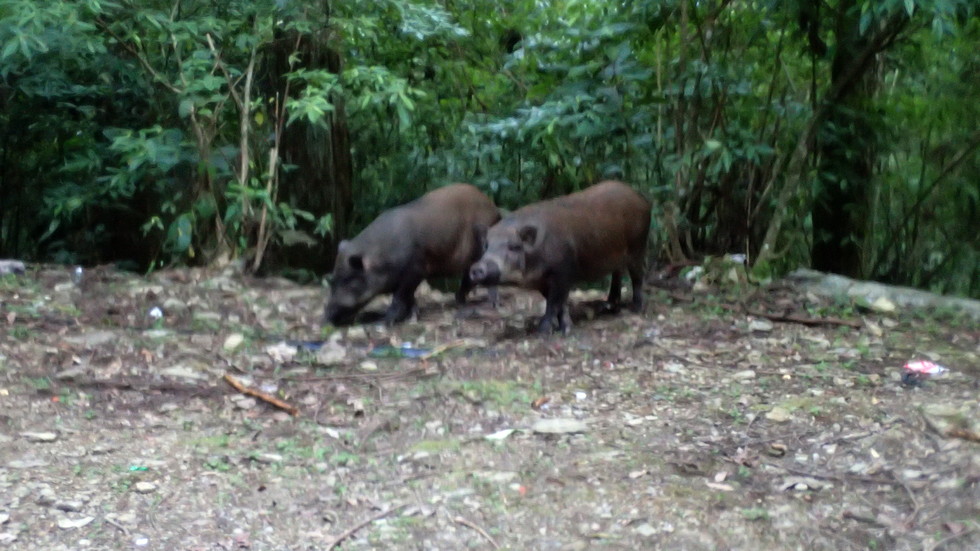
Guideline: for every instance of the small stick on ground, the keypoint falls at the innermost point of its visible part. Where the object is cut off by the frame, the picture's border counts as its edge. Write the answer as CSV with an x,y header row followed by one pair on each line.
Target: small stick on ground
x,y
838,478
350,531
861,518
116,525
261,395
792,318
442,348
481,531
941,543
964,434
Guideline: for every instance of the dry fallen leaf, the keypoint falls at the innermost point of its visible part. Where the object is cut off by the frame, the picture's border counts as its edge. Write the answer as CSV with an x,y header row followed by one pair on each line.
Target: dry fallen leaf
x,y
536,404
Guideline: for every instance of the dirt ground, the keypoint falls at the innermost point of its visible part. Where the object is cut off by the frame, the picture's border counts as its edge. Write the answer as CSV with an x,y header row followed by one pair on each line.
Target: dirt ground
x,y
697,425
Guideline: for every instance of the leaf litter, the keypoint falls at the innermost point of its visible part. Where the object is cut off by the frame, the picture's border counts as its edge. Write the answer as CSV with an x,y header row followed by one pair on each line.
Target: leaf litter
x,y
696,425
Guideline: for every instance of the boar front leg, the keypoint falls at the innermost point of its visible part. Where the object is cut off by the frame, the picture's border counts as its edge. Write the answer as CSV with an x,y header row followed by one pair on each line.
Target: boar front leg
x,y
556,314
403,299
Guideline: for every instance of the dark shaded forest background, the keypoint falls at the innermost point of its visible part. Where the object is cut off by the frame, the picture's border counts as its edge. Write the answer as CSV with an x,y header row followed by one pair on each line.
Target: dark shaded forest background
x,y
841,134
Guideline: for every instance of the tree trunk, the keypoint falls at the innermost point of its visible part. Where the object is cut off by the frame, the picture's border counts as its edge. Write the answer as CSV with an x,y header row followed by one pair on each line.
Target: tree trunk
x,y
847,147
321,183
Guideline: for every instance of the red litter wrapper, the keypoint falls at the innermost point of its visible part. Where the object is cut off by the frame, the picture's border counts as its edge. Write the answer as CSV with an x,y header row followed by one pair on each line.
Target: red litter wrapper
x,y
916,371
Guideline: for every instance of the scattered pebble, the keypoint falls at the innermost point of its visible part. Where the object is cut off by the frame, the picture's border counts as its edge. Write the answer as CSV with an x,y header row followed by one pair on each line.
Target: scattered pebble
x,y
244,402
368,365
778,414
760,325
265,457
674,367
884,305
281,352
559,426
39,436
332,352
233,342
183,372
498,477
645,530
145,487
27,463
73,506
66,523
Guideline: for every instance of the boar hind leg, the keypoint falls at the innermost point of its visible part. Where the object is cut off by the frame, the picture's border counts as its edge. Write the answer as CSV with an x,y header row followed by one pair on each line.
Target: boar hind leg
x,y
465,286
636,270
615,293
403,300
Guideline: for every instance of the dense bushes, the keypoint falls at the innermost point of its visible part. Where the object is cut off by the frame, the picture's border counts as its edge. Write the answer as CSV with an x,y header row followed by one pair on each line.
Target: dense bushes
x,y
841,134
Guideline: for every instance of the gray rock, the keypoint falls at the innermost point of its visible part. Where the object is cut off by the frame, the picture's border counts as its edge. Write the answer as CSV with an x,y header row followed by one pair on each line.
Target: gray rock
x,y
72,506
66,523
92,338
559,426
264,457
12,267
233,342
39,436
183,372
778,414
27,463
645,530
145,487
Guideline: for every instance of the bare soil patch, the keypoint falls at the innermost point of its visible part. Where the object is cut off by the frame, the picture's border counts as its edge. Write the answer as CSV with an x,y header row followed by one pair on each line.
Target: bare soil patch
x,y
695,425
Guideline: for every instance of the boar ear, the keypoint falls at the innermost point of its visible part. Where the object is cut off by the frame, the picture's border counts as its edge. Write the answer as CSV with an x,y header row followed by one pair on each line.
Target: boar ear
x,y
356,262
529,234
359,262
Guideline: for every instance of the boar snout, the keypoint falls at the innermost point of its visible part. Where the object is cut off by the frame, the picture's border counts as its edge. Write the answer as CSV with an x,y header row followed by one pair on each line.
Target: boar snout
x,y
485,272
338,317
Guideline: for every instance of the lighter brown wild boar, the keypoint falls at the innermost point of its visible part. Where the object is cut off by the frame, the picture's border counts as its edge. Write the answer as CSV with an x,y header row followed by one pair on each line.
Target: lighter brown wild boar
x,y
551,245
436,235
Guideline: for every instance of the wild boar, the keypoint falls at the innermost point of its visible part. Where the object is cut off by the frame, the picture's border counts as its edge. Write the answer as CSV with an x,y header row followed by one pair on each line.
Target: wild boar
x,y
550,245
436,235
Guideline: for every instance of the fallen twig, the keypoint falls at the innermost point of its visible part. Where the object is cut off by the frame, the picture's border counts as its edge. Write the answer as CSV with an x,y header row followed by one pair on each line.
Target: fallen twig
x,y
963,433
116,525
350,531
792,318
292,410
851,515
442,348
838,478
369,377
939,544
953,432
481,531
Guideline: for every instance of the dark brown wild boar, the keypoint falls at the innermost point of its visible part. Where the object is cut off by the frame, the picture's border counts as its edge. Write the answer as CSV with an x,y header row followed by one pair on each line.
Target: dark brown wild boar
x,y
553,244
436,235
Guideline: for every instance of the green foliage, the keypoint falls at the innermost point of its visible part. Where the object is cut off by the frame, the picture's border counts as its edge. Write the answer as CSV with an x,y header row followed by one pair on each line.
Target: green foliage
x,y
152,131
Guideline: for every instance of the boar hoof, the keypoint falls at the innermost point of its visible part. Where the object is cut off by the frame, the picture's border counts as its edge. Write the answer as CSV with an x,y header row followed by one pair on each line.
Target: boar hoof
x,y
609,307
546,326
395,316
